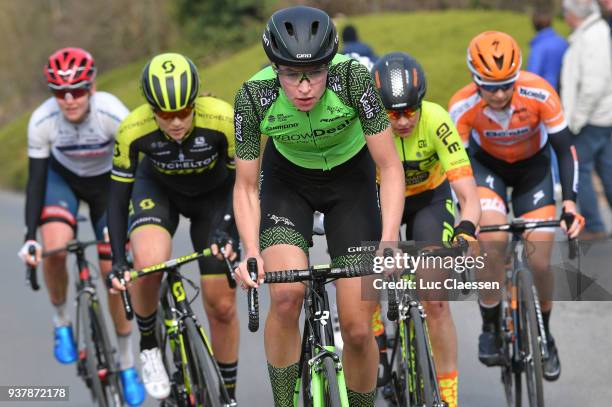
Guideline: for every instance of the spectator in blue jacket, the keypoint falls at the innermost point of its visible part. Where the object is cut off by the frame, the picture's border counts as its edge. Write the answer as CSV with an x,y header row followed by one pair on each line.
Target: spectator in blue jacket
x,y
352,45
547,49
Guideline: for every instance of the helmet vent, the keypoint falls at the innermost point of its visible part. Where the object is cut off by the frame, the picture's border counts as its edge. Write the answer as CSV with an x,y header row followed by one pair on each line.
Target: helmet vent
x,y
289,28
484,62
397,84
499,61
314,28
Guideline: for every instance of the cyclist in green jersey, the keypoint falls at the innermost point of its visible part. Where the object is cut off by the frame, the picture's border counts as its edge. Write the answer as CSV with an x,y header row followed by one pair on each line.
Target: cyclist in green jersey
x,y
434,161
327,130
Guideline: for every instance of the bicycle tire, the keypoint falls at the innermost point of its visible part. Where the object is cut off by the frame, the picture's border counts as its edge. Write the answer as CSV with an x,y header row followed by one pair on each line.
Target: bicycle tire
x,y
305,381
200,360
529,340
112,385
425,370
510,374
332,389
400,375
92,379
169,356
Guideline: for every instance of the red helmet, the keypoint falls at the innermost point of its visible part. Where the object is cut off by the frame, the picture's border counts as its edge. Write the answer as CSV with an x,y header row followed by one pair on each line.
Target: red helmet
x,y
70,68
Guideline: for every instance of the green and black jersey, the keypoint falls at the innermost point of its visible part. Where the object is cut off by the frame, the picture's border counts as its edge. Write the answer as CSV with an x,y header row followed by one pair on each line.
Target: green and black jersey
x,y
201,162
193,166
323,138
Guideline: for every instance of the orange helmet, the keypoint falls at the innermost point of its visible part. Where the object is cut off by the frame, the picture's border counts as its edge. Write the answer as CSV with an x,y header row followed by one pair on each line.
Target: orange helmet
x,y
494,56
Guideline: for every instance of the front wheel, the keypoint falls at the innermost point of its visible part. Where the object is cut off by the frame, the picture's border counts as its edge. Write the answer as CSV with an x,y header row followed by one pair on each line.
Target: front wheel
x,y
510,371
205,385
529,340
331,387
96,361
426,386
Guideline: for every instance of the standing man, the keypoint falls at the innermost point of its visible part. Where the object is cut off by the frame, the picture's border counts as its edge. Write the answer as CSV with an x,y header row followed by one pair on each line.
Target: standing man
x,y
351,44
70,150
328,131
586,93
547,49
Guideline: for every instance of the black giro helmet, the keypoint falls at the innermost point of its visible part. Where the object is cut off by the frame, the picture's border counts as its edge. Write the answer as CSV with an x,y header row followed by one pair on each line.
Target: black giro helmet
x,y
298,36
400,80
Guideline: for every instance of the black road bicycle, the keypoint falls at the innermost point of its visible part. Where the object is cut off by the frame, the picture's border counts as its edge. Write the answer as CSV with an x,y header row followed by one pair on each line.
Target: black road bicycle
x,y
321,371
413,377
97,364
521,326
188,357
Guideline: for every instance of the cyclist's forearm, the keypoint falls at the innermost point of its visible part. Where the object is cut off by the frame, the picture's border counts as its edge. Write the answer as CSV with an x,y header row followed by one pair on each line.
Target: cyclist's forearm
x,y
391,200
35,194
120,193
568,163
247,215
467,194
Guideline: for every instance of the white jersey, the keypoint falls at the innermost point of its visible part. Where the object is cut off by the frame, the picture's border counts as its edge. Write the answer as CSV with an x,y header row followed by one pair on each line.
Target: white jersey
x,y
85,148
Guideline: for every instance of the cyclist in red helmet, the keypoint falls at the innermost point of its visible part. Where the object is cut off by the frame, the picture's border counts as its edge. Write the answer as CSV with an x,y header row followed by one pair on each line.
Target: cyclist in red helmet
x,y
70,150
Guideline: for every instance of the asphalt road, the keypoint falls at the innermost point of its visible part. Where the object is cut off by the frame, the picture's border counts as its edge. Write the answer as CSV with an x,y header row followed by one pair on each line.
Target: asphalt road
x,y
583,331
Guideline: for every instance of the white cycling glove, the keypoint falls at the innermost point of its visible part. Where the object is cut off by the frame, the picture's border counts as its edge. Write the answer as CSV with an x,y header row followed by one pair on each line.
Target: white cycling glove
x,y
24,253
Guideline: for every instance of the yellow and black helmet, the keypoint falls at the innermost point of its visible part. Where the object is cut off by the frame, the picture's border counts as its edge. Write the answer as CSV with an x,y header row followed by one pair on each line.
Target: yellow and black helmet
x,y
170,82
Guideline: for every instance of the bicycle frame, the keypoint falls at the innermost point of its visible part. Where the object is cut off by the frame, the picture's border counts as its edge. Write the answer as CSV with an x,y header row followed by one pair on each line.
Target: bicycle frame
x,y
522,329
318,343
86,296
519,265
176,311
405,344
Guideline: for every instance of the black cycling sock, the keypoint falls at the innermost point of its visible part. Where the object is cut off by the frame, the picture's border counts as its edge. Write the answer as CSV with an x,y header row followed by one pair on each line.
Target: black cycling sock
x,y
546,318
361,399
490,315
283,380
229,372
146,326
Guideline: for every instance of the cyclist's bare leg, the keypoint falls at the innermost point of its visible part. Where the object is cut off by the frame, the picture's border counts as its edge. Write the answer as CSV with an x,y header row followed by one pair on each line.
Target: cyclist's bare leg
x,y
55,235
442,334
150,245
493,244
539,260
282,332
115,306
360,354
220,306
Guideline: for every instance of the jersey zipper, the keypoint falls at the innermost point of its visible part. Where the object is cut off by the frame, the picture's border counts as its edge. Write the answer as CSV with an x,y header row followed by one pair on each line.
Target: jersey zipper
x,y
314,141
181,155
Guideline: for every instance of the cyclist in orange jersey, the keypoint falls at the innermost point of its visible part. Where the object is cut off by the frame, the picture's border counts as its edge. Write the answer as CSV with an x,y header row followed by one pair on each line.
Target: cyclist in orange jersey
x,y
508,117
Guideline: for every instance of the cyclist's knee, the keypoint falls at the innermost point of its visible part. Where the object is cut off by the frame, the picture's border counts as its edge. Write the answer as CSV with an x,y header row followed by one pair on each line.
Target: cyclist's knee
x,y
222,311
55,263
356,334
286,305
437,310
540,264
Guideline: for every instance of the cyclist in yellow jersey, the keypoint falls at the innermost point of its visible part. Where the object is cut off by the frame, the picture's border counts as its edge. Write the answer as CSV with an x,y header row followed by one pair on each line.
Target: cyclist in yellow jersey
x,y
434,161
187,169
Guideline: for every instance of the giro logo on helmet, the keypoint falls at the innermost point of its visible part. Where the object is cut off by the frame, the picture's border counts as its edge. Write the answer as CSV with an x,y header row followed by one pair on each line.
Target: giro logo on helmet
x,y
302,56
168,67
266,40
